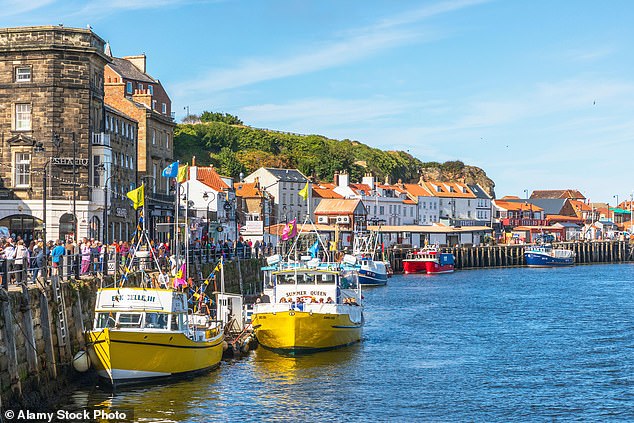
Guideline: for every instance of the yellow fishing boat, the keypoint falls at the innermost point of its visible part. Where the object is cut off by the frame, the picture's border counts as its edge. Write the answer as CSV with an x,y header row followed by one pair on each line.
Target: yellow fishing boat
x,y
143,334
309,307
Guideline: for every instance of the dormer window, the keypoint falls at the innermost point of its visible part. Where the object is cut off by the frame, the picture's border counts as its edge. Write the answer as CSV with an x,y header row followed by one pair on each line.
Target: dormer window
x,y
150,88
128,87
140,86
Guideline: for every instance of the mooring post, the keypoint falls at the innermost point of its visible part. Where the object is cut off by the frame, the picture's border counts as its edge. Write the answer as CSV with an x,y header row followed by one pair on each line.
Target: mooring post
x,y
47,333
9,336
27,323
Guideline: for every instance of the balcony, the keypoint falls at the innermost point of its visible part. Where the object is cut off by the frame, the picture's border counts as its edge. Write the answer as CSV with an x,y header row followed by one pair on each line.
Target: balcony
x,y
101,138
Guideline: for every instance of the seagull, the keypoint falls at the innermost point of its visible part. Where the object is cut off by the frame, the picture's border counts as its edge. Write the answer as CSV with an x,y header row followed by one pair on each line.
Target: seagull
x,y
594,103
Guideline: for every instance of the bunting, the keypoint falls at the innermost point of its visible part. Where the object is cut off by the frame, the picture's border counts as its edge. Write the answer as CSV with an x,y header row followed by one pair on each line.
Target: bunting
x,y
290,230
137,196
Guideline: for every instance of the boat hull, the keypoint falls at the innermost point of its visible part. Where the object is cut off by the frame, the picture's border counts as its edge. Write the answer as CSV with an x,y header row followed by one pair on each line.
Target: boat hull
x,y
302,331
543,260
129,357
372,278
428,267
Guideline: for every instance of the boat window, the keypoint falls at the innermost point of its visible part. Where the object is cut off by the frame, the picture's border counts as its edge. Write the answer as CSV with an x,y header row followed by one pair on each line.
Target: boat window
x,y
156,320
328,278
174,322
349,280
130,320
105,320
285,279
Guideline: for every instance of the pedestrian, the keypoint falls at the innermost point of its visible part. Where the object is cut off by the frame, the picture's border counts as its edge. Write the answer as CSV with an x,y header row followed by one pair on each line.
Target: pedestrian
x,y
21,257
85,256
56,256
38,268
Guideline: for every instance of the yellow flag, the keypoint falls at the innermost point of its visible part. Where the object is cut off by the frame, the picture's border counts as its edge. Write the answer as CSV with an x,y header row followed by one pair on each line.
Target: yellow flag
x,y
304,192
182,173
137,196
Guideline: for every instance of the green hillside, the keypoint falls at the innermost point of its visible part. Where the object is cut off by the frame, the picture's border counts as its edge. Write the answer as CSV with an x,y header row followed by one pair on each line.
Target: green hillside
x,y
234,148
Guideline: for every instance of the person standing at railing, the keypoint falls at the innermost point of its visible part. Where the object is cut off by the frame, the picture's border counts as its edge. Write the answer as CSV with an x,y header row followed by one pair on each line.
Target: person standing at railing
x,y
38,260
9,255
56,256
21,257
85,256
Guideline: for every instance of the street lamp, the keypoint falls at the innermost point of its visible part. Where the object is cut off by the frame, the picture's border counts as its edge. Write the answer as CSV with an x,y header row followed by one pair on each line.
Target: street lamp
x,y
526,194
205,197
39,148
101,168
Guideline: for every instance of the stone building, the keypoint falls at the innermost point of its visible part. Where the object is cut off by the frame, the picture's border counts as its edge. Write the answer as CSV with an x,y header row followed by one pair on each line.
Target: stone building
x,y
114,173
130,89
51,108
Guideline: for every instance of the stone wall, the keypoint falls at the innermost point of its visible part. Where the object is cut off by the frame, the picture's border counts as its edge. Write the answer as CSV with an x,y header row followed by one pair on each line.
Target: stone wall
x,y
34,367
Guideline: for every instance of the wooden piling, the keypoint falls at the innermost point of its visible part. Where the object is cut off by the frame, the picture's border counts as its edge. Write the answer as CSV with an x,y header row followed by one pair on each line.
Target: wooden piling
x,y
9,336
47,334
27,326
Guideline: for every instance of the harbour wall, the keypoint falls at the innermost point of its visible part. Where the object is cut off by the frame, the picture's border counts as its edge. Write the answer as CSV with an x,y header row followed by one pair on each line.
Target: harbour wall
x,y
468,257
36,349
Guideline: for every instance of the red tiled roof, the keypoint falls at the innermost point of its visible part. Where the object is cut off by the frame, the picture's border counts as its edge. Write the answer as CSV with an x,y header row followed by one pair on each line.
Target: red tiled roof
x,y
558,193
247,189
319,192
336,206
443,189
361,187
514,206
209,177
417,190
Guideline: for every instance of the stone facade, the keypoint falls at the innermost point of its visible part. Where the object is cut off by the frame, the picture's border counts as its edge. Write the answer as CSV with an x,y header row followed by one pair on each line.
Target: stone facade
x,y
51,97
130,89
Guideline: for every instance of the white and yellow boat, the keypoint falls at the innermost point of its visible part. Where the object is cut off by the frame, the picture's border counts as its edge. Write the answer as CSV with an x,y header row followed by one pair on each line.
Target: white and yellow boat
x,y
146,334
311,307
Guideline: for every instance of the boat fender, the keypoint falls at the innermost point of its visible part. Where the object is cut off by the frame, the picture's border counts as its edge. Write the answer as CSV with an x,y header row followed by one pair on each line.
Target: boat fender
x,y
225,345
81,361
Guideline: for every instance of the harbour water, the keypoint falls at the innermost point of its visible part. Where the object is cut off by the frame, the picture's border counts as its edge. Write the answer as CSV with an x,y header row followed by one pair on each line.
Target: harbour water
x,y
512,344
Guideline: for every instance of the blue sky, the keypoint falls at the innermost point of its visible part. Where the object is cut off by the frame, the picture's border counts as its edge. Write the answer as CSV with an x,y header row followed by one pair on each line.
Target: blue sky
x,y
540,94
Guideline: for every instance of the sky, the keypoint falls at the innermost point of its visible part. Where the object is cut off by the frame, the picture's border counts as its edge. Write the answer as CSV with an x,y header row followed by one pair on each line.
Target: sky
x,y
539,94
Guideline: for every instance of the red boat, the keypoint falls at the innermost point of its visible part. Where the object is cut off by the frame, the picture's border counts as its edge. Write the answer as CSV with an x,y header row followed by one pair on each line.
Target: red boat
x,y
428,260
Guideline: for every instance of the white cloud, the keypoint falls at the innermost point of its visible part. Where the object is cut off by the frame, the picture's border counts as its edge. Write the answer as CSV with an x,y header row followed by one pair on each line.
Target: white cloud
x,y
18,7
355,45
100,8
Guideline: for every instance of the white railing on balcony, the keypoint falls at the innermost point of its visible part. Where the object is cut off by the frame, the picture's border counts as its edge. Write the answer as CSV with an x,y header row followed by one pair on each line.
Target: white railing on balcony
x,y
101,138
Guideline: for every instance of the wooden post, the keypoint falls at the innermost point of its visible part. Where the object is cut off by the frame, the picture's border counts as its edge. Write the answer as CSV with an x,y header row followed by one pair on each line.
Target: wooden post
x,y
79,321
47,333
9,336
27,324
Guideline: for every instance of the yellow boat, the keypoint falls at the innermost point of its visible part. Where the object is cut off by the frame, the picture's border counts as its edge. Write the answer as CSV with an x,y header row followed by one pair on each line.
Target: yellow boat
x,y
146,334
309,307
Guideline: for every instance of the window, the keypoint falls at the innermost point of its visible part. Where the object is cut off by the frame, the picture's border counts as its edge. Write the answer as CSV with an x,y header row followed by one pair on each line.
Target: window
x,y
23,74
167,141
96,176
150,89
153,136
140,86
128,87
22,117
164,108
153,104
22,169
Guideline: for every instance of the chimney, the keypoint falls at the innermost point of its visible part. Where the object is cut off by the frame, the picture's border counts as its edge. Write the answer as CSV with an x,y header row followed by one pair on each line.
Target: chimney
x,y
194,161
137,61
387,179
193,172
368,180
344,179
335,179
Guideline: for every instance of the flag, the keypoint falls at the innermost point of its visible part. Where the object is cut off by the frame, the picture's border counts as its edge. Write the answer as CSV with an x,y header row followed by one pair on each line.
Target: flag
x,y
179,279
314,249
290,230
137,196
171,171
333,246
218,267
304,192
182,174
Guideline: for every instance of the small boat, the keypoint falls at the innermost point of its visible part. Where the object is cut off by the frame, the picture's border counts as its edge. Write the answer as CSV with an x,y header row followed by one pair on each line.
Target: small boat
x,y
143,334
371,272
545,255
309,306
428,260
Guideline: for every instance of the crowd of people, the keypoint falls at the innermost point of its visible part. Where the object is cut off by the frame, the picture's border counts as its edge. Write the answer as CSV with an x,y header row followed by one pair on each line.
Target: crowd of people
x,y
21,263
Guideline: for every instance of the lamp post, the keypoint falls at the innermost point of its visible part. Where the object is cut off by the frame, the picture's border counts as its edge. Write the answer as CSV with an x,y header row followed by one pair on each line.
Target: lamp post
x,y
617,204
205,197
526,194
39,148
102,169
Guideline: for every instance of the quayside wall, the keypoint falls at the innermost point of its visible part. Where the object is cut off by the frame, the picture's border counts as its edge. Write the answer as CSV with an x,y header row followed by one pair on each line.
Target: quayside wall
x,y
36,350
468,257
